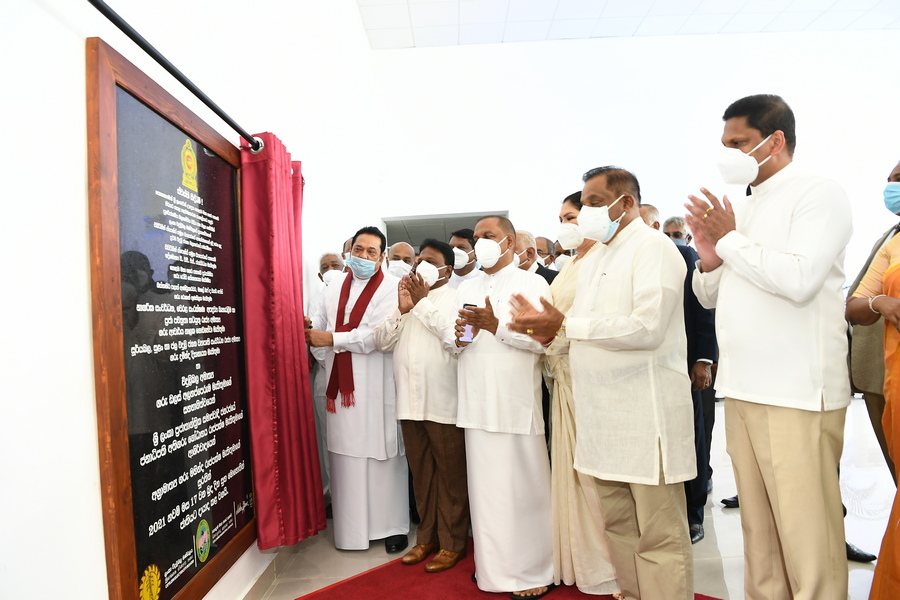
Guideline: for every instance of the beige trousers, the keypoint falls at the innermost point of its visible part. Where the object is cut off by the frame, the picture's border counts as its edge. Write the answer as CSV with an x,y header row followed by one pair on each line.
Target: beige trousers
x,y
649,541
785,465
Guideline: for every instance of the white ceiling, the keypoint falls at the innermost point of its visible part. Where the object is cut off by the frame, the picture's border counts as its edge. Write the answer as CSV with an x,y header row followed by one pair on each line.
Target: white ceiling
x,y
422,23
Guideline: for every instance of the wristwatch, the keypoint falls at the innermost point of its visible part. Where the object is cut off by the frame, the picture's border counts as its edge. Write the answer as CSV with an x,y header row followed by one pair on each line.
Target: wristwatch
x,y
561,332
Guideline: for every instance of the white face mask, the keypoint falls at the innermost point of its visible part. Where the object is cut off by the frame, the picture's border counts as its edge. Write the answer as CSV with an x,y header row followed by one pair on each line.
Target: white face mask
x,y
570,235
488,252
596,224
329,276
429,273
517,259
740,168
561,260
398,268
460,259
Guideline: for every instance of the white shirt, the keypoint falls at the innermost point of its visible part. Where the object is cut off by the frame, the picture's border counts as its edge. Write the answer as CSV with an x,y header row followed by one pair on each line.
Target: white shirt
x,y
369,429
779,304
456,280
499,376
627,352
424,345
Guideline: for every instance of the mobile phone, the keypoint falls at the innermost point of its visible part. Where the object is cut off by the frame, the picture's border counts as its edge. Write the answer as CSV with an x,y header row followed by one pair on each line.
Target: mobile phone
x,y
468,335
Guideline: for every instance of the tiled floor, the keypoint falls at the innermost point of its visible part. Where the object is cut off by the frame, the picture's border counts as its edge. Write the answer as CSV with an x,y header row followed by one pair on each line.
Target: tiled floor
x,y
866,486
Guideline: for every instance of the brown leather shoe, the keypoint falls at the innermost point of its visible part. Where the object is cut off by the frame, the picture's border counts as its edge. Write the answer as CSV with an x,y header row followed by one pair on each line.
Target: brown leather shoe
x,y
444,560
418,553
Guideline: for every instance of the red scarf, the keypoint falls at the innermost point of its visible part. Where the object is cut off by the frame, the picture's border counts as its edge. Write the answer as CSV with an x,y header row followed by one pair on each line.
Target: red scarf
x,y
342,368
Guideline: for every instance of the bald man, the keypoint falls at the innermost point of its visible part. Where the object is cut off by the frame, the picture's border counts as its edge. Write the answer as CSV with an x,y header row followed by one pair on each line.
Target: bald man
x,y
401,257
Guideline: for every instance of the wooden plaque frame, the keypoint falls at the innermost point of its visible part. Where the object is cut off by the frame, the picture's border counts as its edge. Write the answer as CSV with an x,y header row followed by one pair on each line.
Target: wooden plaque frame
x,y
106,70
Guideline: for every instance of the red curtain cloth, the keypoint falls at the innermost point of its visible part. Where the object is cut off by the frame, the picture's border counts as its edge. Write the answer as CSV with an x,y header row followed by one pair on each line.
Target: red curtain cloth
x,y
287,481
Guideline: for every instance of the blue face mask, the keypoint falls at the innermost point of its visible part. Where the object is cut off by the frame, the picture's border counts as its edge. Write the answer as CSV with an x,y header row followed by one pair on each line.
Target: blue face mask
x,y
892,196
679,241
362,268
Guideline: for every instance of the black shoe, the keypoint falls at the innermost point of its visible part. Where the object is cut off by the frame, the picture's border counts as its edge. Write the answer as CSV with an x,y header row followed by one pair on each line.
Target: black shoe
x,y
857,555
731,502
395,543
696,533
709,486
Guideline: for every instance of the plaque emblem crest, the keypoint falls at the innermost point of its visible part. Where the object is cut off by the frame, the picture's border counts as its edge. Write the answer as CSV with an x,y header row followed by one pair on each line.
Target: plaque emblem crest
x,y
203,541
189,166
150,583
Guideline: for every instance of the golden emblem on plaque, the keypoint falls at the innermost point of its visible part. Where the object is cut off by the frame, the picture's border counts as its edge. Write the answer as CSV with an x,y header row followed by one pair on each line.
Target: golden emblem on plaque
x,y
151,583
189,166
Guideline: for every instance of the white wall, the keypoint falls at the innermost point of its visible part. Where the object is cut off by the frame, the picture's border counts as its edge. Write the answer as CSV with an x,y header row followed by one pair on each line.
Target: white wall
x,y
514,126
436,130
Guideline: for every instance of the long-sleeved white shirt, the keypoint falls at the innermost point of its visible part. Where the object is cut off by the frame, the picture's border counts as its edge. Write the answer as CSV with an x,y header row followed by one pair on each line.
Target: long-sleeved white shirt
x,y
424,345
457,280
499,375
627,353
778,298
370,428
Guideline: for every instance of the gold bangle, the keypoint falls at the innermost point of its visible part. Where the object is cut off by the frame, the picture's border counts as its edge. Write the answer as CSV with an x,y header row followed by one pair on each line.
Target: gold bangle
x,y
872,299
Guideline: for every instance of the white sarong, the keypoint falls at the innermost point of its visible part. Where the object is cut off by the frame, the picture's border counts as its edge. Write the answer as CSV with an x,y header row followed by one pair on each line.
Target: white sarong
x,y
509,500
369,499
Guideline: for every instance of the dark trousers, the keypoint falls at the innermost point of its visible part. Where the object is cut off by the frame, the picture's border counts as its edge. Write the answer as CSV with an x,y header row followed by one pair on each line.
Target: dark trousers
x,y
709,419
545,410
436,453
695,489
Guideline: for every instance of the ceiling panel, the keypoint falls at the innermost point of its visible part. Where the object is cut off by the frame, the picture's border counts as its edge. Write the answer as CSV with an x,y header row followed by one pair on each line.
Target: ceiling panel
x,y
579,9
528,31
415,229
569,29
422,23
443,35
661,25
481,33
434,14
483,11
530,10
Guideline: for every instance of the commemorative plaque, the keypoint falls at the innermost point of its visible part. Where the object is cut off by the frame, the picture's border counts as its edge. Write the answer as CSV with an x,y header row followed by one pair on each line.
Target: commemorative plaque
x,y
172,405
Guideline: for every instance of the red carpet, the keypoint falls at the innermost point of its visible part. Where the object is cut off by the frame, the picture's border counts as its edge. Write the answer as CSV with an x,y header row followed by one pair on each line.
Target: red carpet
x,y
396,581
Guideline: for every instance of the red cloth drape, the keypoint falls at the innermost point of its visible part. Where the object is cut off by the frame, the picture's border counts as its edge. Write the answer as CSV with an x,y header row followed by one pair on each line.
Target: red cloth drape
x,y
287,481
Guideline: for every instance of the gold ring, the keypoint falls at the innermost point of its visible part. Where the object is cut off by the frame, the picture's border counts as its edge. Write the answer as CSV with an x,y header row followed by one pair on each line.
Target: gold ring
x,y
703,218
708,210
529,331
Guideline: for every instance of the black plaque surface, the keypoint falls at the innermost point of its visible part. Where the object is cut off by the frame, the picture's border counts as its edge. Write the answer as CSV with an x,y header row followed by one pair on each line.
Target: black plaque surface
x,y
183,352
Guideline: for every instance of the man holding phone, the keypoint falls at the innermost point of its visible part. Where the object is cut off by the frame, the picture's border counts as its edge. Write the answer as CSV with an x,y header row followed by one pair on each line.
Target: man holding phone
x,y
421,334
500,410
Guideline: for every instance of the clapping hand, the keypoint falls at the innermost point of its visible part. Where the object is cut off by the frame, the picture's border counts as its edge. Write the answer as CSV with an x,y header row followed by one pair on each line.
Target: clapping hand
x,y
540,325
709,221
